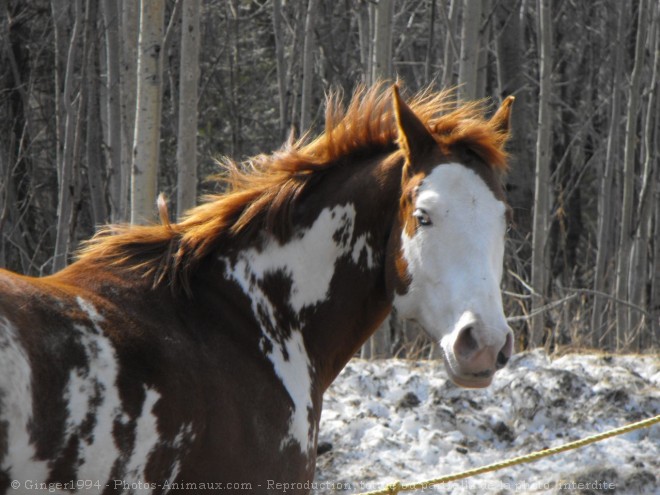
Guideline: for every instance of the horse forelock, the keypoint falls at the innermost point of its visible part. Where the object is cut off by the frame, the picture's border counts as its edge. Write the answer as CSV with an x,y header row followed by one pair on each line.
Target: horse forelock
x,y
263,191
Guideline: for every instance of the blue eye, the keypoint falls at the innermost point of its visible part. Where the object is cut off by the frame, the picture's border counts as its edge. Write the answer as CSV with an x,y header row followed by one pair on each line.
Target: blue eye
x,y
422,217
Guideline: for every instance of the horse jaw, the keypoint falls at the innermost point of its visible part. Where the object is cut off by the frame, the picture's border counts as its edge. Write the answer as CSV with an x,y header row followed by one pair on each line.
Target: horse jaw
x,y
454,265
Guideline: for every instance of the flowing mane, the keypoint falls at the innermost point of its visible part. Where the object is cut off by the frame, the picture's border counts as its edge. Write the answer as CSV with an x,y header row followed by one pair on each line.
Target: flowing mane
x,y
263,191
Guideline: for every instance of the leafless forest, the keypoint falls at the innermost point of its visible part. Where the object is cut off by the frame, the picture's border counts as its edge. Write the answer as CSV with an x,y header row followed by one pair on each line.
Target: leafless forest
x,y
105,103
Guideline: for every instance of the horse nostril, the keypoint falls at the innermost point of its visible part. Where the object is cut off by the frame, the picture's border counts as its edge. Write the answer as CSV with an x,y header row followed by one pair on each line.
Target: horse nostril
x,y
505,353
466,343
502,359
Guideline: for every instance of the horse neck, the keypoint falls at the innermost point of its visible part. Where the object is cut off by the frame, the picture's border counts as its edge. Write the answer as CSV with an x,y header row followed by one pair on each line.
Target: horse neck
x,y
322,293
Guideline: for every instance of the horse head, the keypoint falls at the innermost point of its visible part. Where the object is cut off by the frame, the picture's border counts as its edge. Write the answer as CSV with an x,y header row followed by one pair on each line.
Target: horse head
x,y
446,255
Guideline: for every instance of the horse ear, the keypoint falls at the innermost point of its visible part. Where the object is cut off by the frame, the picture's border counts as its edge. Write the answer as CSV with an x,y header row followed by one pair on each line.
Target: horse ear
x,y
502,118
414,138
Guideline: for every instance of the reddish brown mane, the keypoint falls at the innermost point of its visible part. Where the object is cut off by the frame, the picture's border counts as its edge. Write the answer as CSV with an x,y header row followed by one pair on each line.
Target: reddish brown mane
x,y
262,191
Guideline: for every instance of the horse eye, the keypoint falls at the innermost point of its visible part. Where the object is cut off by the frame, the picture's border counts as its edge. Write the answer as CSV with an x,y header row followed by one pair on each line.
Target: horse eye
x,y
422,217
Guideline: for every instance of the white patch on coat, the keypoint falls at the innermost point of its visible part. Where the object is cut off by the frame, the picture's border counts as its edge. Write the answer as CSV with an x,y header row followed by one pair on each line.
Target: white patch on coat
x,y
299,387
455,264
16,409
180,445
88,391
146,439
294,369
363,248
91,312
98,458
308,260
98,383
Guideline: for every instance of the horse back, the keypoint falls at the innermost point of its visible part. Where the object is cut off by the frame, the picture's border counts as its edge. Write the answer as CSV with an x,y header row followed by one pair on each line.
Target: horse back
x,y
103,381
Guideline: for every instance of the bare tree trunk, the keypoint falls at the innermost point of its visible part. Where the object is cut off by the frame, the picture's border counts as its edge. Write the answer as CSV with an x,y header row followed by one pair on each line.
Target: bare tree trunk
x,y
146,144
14,146
59,10
93,131
66,187
655,279
484,34
380,343
308,66
652,137
366,40
511,77
641,266
428,61
234,57
171,58
542,186
451,44
130,21
186,154
5,177
280,62
605,204
113,149
469,61
626,230
382,62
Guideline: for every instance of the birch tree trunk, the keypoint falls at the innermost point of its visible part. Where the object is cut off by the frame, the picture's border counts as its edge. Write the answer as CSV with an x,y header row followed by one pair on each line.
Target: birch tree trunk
x,y
146,143
130,21
308,66
113,149
186,153
469,60
626,230
600,335
542,186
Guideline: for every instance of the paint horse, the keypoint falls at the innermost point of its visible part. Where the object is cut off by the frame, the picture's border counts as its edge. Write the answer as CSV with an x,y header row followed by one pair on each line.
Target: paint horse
x,y
194,356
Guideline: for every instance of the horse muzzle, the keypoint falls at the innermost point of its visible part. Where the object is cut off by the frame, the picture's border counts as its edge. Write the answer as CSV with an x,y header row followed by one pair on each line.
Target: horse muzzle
x,y
475,351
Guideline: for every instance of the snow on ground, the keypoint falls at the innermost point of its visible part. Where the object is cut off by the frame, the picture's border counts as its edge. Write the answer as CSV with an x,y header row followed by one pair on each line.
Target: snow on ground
x,y
404,420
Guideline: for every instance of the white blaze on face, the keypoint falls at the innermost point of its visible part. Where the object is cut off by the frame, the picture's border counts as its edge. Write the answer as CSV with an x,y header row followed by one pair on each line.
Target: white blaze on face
x,y
455,262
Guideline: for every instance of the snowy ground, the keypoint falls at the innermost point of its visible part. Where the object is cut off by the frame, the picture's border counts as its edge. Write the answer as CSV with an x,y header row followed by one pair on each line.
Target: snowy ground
x,y
403,420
